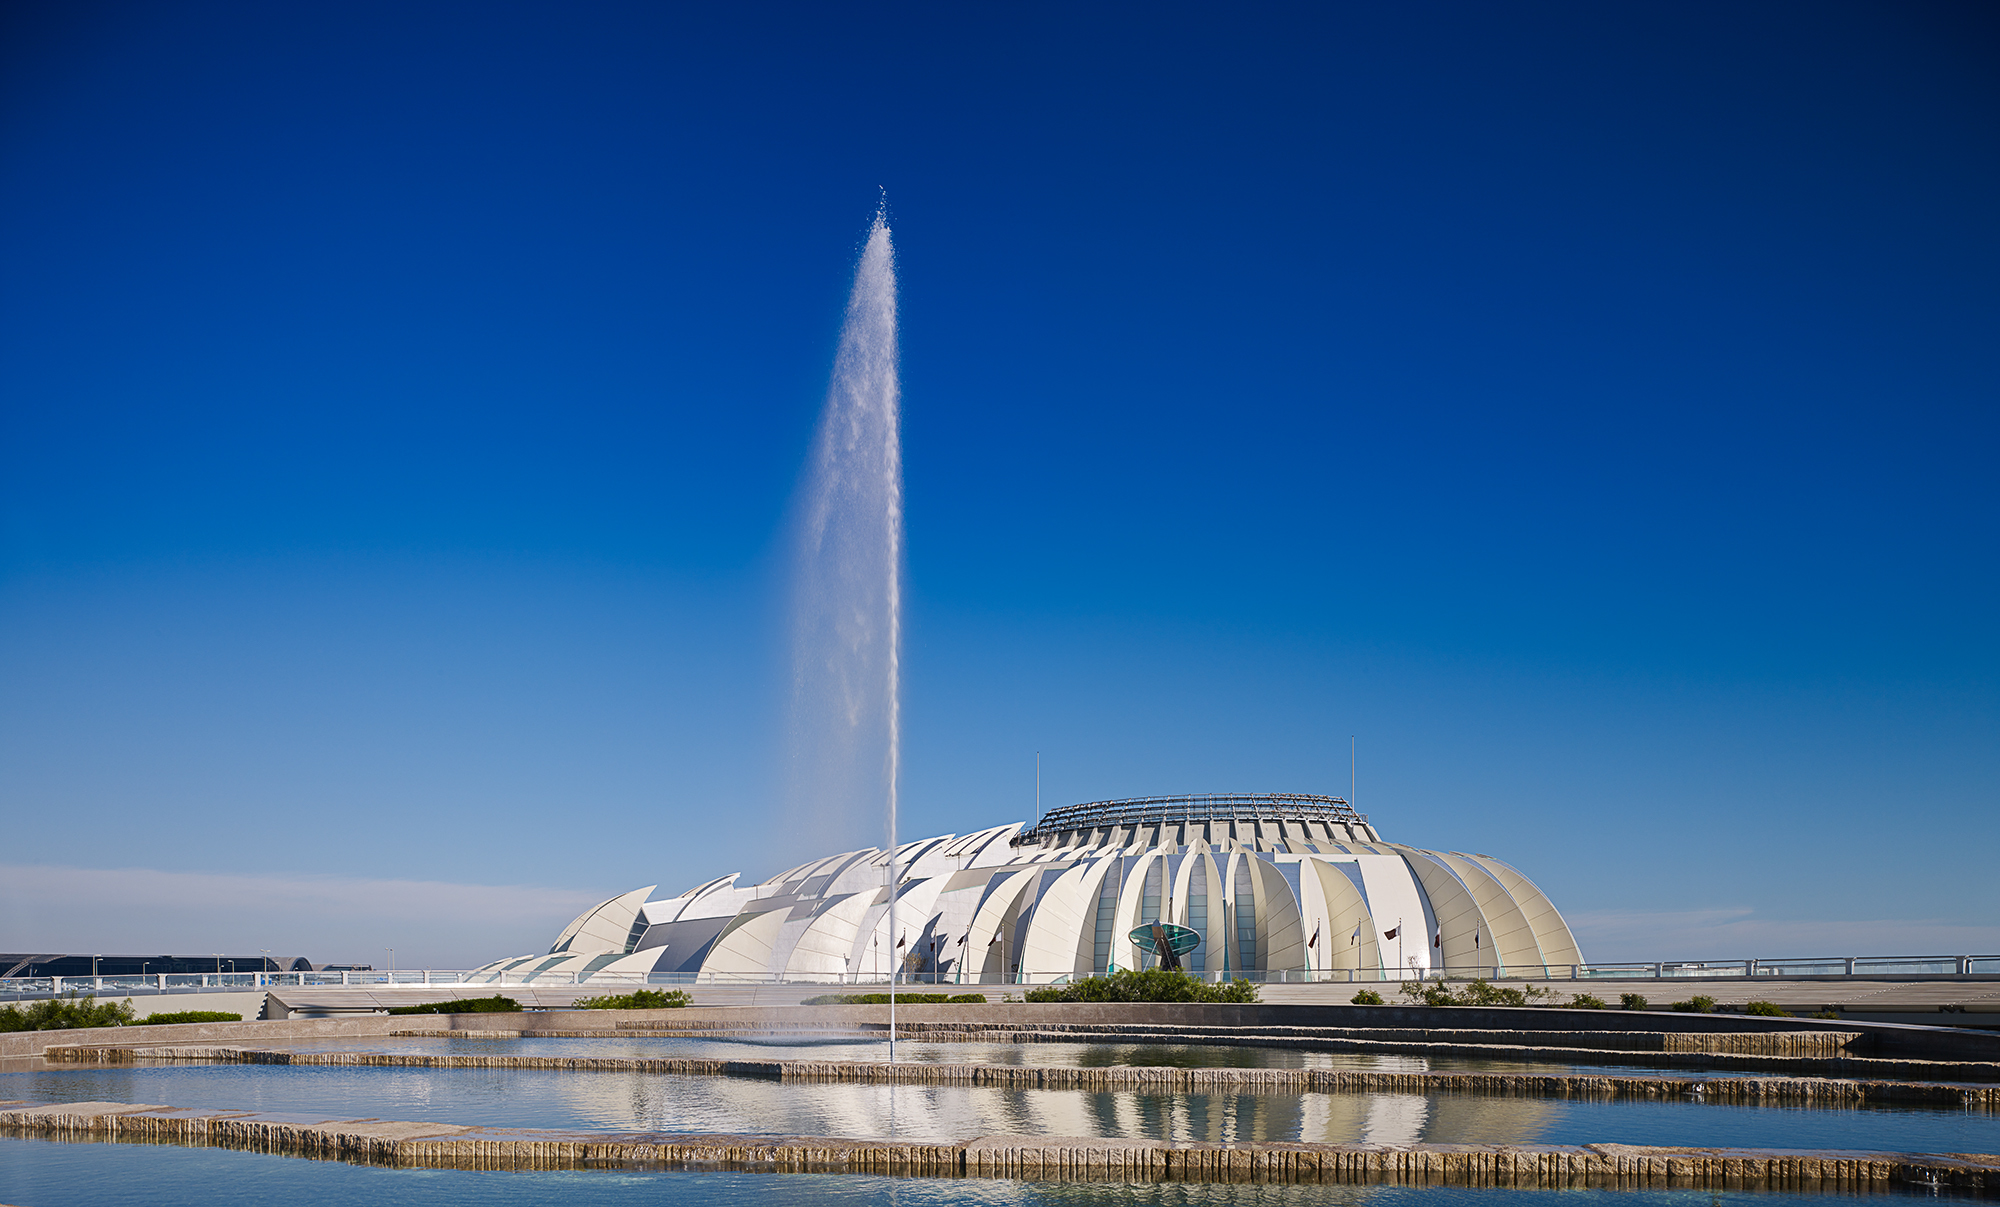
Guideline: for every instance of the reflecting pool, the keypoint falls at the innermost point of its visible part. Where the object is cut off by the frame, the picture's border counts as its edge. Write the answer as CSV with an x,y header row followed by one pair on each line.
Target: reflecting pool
x,y
623,1101
1093,1055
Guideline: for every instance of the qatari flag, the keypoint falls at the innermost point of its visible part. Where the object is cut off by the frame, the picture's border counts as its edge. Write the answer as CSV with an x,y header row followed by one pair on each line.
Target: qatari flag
x,y
1393,933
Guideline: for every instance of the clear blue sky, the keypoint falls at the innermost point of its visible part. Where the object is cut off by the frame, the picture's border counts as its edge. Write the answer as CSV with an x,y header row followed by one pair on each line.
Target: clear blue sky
x,y
1592,408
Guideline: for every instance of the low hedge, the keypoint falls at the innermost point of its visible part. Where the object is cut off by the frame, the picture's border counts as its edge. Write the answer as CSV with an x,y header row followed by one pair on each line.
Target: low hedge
x,y
191,1016
464,1005
65,1013
1473,993
902,999
638,999
1150,985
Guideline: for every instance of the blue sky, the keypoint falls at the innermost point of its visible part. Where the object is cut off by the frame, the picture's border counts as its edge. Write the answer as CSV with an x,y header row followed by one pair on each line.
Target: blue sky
x,y
1590,409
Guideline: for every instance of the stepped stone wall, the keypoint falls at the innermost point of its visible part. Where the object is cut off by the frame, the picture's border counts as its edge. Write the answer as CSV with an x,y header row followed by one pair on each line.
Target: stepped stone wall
x,y
1059,1158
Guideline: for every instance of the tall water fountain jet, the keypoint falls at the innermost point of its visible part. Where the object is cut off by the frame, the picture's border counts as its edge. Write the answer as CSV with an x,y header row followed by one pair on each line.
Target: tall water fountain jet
x,y
846,723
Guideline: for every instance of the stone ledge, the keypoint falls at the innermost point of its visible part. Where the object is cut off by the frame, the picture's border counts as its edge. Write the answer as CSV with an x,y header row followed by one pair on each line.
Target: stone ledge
x,y
436,1145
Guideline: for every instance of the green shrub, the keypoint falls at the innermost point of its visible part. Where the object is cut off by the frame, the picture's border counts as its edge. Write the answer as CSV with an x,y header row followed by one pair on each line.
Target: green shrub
x,y
1769,1009
1367,997
1584,1001
1474,993
191,1016
638,999
1479,993
1148,985
1631,1001
1429,993
1825,1014
465,1005
64,1013
902,999
1697,1004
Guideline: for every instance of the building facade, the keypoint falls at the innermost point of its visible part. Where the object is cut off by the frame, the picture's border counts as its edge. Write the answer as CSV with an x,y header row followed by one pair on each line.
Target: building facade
x,y
1276,886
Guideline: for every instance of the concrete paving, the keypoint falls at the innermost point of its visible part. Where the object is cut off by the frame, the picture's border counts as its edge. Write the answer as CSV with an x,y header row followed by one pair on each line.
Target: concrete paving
x,y
1965,1002
1973,1002
1969,1002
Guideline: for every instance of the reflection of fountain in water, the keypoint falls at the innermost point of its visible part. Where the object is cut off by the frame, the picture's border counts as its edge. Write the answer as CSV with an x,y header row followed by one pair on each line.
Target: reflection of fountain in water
x,y
1471,1119
1395,1119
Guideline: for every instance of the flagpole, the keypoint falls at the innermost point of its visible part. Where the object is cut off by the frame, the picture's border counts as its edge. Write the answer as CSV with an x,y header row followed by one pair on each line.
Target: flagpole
x,y
893,948
1118,924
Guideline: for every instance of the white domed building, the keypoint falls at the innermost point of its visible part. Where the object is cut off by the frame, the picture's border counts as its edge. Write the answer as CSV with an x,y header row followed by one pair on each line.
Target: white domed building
x,y
1277,887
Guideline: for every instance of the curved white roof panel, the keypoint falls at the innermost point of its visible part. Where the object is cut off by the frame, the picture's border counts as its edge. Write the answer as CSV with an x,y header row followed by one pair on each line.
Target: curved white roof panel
x,y
1272,883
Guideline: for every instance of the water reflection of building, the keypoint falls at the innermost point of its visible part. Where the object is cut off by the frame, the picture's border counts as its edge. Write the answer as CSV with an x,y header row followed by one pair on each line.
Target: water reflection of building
x,y
1471,1119
1270,883
650,1102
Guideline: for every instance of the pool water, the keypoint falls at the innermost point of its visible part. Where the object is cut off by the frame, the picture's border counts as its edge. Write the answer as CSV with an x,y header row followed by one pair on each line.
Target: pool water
x,y
622,1101
1094,1055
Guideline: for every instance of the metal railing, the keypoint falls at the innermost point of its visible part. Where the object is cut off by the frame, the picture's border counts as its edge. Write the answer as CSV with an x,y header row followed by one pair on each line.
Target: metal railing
x,y
1809,966
171,984
1209,807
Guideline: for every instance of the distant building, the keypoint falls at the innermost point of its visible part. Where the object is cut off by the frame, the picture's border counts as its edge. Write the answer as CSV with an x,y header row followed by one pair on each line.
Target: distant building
x,y
1272,884
119,965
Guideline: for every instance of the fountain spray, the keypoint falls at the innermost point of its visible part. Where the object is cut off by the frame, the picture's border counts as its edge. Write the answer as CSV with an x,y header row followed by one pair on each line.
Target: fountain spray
x,y
847,640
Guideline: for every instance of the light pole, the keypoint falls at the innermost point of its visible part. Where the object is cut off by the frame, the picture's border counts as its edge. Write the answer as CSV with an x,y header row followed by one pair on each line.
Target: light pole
x,y
392,964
